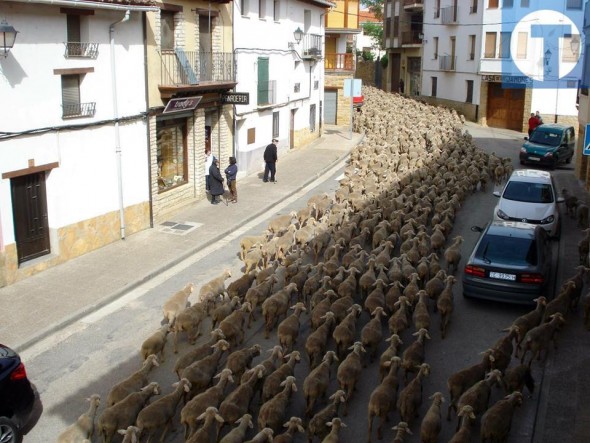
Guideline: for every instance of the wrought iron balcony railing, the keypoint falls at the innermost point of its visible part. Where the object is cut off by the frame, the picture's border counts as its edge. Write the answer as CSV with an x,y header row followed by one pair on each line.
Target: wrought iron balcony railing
x,y
82,50
267,93
181,67
312,46
447,63
339,62
449,15
74,110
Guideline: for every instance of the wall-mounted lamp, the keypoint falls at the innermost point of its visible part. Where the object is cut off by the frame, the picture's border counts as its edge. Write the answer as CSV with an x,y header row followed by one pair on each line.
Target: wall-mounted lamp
x,y
547,57
298,35
575,44
7,38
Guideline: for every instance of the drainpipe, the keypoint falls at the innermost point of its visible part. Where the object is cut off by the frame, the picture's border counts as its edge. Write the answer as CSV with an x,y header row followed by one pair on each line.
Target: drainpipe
x,y
116,118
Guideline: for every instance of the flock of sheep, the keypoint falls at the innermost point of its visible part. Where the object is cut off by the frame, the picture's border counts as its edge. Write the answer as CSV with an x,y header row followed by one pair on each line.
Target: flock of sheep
x,y
380,247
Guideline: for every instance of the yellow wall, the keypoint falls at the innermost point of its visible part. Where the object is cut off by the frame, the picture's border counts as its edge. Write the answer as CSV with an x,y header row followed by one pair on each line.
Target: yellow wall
x,y
344,16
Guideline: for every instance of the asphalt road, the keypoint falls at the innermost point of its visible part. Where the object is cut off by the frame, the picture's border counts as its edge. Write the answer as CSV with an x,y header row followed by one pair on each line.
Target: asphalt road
x,y
92,355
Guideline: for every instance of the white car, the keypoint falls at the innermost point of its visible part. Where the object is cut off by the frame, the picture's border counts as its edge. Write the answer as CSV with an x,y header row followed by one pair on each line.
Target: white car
x,y
529,197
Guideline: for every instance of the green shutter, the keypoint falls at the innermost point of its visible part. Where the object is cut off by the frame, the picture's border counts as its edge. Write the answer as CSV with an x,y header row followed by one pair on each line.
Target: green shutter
x,y
263,83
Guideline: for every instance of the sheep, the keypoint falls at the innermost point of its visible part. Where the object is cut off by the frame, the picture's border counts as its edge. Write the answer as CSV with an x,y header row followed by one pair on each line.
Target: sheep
x,y
280,224
294,425
401,430
421,316
437,239
317,424
176,303
189,320
335,426
238,434
576,292
161,412
413,356
376,299
583,216
316,383
208,431
528,321
247,242
341,307
155,343
398,322
129,434
265,435
478,395
233,325
344,332
391,351
584,247
497,420
199,352
256,295
191,412
200,373
372,333
238,361
410,398
269,364
571,202
539,337
133,383
462,380
430,427
502,349
467,417
254,258
123,414
214,287
276,306
288,329
318,314
239,287
272,383
412,288
393,294
84,426
517,377
368,278
317,341
349,371
272,412
223,310
383,398
453,254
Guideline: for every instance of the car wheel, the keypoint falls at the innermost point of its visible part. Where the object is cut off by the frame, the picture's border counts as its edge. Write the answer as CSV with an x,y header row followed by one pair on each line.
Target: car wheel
x,y
9,432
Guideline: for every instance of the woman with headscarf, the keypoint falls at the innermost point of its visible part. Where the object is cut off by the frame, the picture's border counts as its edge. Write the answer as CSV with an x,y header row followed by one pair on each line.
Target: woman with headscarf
x,y
215,182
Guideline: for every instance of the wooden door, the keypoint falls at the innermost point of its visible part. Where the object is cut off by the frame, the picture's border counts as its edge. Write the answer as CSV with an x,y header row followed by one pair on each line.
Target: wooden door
x,y
505,107
29,207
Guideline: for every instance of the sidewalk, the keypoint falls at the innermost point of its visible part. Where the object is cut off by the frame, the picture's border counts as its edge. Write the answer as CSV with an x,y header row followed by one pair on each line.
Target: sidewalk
x,y
46,302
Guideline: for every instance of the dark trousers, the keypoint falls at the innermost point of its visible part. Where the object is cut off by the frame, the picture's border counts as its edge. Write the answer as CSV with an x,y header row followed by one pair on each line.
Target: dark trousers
x,y
270,167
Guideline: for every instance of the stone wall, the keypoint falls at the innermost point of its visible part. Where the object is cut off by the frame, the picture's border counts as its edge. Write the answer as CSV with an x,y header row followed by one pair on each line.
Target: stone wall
x,y
336,81
469,110
365,70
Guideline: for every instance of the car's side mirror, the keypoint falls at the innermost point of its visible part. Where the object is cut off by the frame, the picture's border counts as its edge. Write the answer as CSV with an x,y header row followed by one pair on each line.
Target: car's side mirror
x,y
476,229
560,199
496,193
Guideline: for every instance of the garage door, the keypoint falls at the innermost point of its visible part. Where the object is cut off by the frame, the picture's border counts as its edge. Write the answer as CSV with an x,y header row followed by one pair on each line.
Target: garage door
x,y
330,98
505,107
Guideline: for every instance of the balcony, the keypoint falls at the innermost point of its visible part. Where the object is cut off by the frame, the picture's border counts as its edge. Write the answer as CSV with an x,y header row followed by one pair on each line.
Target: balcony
x,y
76,110
413,5
412,38
81,50
312,46
339,62
447,63
449,15
266,93
193,67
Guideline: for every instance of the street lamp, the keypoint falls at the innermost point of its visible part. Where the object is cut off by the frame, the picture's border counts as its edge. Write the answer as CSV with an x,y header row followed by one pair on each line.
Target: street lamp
x,y
575,44
298,35
7,38
547,58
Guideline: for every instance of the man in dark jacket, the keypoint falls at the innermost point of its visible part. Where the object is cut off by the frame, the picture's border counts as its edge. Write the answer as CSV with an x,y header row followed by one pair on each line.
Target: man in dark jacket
x,y
270,159
215,182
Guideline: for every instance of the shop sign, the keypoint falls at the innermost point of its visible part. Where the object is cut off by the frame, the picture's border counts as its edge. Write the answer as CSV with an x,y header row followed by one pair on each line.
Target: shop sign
x,y
182,104
236,98
514,79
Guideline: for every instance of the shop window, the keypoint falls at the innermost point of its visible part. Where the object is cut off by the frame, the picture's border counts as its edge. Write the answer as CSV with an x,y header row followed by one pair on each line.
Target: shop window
x,y
172,153
275,124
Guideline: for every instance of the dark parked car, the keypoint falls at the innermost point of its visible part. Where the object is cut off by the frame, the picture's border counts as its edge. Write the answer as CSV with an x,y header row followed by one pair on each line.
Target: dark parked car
x,y
17,396
511,262
549,145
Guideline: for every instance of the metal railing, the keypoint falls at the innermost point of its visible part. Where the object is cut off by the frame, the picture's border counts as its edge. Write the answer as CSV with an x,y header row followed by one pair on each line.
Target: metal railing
x,y
339,62
267,93
449,15
412,38
72,110
413,3
190,67
312,46
82,50
447,62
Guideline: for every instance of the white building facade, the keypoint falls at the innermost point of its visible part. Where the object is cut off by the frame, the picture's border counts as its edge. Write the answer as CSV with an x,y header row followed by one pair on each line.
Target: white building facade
x,y
73,132
283,76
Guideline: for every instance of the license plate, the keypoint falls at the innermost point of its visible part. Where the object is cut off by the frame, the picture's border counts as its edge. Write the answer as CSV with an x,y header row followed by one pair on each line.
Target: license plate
x,y
535,159
502,276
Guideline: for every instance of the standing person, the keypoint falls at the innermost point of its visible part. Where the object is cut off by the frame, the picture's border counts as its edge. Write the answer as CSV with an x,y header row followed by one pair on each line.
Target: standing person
x,y
402,85
215,182
230,173
208,162
539,118
533,123
270,158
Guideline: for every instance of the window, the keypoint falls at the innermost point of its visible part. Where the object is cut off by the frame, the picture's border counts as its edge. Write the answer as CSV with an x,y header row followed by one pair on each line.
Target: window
x,y
574,4
436,8
469,98
435,44
387,33
571,48
261,8
275,124
395,26
493,4
472,47
504,49
275,10
70,98
244,7
297,87
521,45
172,153
490,48
434,85
167,30
306,21
507,4
473,9
524,3
251,134
316,84
312,118
263,83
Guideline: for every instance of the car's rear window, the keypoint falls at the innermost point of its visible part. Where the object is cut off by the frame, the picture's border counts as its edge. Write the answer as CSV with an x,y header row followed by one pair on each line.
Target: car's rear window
x,y
495,249
528,192
544,137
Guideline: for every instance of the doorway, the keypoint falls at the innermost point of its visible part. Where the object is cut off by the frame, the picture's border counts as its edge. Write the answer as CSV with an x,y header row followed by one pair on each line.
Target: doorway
x,y
505,107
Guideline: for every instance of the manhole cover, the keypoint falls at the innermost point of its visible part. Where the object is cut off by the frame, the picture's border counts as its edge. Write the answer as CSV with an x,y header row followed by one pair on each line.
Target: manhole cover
x,y
178,228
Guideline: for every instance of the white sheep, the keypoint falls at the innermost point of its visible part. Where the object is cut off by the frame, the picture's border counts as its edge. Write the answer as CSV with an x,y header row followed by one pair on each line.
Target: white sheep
x,y
213,288
130,434
176,303
84,426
